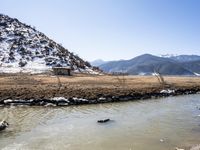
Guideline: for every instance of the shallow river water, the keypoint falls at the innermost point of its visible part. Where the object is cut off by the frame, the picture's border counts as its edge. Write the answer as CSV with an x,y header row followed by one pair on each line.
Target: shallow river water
x,y
160,124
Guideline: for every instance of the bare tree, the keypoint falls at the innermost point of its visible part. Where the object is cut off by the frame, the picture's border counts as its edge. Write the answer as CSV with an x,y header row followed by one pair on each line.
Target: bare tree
x,y
59,84
159,76
121,79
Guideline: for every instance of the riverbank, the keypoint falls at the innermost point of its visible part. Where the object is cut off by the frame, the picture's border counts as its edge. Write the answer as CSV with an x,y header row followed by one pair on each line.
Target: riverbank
x,y
24,89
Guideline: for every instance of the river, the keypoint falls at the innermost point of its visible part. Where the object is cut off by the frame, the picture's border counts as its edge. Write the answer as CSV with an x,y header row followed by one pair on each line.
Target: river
x,y
157,124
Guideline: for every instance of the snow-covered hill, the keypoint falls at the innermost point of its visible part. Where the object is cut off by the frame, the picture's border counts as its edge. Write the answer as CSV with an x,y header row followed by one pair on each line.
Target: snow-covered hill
x,y
24,49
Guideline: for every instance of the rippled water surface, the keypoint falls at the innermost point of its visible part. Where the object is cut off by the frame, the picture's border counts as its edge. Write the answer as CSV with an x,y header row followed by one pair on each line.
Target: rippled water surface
x,y
161,124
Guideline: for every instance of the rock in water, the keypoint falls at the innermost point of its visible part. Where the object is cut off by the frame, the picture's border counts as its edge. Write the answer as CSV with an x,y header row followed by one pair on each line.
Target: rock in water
x,y
3,125
103,121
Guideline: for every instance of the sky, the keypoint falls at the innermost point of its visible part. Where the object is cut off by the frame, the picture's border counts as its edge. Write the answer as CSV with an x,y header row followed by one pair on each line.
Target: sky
x,y
113,29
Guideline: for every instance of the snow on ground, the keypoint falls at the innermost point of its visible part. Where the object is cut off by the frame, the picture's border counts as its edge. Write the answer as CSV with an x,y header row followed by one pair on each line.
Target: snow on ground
x,y
167,91
197,74
24,49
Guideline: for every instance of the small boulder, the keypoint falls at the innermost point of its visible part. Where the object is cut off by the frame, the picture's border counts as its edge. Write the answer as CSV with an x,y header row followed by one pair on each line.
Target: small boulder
x,y
103,121
3,125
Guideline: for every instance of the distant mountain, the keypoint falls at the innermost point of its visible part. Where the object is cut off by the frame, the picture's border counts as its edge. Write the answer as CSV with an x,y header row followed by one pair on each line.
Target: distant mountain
x,y
193,66
24,49
186,58
98,62
147,64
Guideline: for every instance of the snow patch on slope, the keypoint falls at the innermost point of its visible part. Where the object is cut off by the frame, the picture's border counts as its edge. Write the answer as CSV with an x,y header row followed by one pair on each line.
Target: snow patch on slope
x,y
24,49
197,74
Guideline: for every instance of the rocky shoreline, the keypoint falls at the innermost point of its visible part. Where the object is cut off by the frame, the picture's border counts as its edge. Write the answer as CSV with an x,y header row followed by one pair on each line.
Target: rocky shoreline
x,y
61,101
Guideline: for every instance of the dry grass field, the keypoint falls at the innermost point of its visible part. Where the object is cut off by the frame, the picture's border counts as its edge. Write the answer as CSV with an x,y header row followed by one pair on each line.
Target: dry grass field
x,y
26,86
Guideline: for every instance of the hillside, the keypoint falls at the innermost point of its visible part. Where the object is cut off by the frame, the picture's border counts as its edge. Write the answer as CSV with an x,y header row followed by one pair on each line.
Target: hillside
x,y
193,66
24,49
147,64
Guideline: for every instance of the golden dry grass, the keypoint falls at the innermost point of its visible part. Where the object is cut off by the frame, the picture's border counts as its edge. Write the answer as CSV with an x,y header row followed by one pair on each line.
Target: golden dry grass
x,y
45,86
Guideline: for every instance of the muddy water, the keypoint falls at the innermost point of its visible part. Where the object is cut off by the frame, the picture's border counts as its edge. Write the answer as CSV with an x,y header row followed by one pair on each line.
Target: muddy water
x,y
160,124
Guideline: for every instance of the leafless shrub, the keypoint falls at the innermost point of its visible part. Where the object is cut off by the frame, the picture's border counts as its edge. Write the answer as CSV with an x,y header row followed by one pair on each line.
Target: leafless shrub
x,y
121,80
159,77
59,84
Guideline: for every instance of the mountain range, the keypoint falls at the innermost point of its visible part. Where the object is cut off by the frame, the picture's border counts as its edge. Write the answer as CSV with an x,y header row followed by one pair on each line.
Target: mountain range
x,y
24,49
148,64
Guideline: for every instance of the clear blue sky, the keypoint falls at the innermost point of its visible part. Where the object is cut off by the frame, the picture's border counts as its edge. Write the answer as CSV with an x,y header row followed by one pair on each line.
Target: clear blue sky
x,y
114,29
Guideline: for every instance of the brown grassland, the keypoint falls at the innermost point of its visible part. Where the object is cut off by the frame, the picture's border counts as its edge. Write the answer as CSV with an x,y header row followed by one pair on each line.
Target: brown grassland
x,y
25,86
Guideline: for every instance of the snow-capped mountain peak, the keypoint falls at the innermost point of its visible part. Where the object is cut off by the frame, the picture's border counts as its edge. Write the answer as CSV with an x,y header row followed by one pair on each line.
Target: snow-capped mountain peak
x,y
168,55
